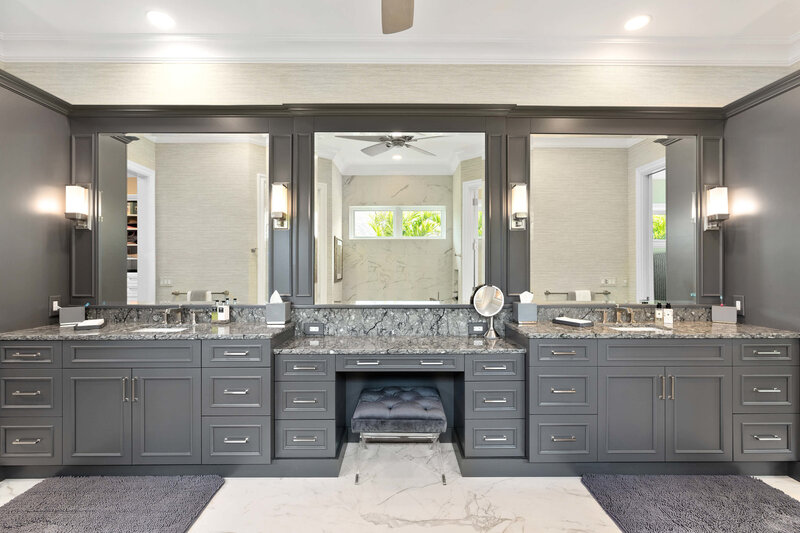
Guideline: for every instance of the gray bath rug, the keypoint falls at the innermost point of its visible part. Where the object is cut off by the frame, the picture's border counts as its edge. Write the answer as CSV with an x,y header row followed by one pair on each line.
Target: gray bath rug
x,y
694,504
113,504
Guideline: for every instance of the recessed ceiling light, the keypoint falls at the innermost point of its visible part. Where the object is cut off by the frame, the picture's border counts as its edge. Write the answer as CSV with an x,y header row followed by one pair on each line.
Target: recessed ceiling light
x,y
397,134
160,20
397,157
637,23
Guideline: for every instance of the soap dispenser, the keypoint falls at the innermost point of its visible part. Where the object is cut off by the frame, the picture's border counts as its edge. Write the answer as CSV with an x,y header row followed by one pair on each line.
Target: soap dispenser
x,y
668,316
659,314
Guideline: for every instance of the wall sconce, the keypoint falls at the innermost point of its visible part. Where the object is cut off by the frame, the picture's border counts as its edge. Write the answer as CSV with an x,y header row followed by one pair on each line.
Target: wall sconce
x,y
519,207
716,208
77,206
279,206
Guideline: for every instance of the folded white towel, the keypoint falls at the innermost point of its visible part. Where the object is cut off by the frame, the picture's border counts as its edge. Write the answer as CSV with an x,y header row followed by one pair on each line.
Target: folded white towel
x,y
581,295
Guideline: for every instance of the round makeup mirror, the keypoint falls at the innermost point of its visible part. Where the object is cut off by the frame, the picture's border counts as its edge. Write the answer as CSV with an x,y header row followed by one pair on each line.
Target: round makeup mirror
x,y
488,301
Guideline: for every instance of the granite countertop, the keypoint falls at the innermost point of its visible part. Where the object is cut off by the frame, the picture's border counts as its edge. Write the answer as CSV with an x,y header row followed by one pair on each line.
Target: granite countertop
x,y
680,330
397,345
118,332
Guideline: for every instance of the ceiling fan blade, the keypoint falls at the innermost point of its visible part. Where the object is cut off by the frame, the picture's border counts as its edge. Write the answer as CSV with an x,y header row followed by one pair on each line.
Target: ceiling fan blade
x,y
397,15
430,137
420,150
376,149
367,138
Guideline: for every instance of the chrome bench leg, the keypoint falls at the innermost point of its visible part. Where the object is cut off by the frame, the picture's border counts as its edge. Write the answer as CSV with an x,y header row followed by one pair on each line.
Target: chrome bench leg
x,y
437,443
362,442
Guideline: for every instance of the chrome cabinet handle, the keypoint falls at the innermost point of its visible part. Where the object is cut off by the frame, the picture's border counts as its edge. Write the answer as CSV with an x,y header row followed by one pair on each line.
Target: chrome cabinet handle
x,y
24,393
295,367
773,352
124,389
553,390
671,388
498,367
767,437
236,392
572,352
367,363
26,355
303,401
495,439
663,388
762,391
503,400
236,440
571,438
26,442
236,354
133,389
436,363
304,439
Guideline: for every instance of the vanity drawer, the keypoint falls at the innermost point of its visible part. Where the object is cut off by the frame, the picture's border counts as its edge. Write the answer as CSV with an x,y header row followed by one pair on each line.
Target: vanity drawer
x,y
314,400
494,438
30,354
565,351
233,391
766,351
507,367
766,389
28,441
305,367
765,437
31,392
126,354
237,440
237,353
563,439
494,399
648,352
305,438
380,363
563,390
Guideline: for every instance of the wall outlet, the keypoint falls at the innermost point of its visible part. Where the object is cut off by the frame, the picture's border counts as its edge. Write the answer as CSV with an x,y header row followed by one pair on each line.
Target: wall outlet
x,y
165,282
608,282
313,328
738,302
476,328
53,304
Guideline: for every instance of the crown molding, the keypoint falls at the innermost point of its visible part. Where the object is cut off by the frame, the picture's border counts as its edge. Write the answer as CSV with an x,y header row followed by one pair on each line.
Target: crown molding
x,y
31,92
759,96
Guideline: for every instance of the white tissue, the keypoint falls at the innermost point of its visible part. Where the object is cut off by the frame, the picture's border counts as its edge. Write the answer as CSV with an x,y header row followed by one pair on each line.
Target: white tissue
x,y
275,298
526,297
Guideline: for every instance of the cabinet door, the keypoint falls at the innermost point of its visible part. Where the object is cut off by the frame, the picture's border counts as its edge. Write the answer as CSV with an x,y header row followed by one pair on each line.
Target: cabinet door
x,y
166,416
631,414
699,414
97,417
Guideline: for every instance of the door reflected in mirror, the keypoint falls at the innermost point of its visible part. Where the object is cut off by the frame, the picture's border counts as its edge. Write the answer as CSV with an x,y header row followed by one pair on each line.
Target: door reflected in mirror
x,y
613,218
402,213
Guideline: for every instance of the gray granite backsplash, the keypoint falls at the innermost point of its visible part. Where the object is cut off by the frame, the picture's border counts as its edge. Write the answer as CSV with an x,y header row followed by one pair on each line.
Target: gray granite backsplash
x,y
382,321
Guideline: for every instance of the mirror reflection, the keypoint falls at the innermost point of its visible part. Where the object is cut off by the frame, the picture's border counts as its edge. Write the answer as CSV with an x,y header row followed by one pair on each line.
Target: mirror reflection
x,y
613,218
399,217
183,218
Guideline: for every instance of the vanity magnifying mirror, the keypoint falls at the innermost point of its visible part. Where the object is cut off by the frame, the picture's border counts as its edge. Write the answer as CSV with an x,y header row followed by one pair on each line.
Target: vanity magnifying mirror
x,y
488,301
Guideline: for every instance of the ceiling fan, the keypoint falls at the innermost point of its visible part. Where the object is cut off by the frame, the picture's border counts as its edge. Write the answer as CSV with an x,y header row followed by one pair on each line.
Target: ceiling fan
x,y
389,141
397,15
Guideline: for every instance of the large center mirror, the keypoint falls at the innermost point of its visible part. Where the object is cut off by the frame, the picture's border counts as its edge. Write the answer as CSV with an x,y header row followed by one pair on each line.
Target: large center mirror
x,y
399,217
613,218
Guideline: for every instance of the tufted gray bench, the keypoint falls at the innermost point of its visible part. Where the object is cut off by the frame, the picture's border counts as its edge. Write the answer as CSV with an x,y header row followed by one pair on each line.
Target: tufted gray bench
x,y
399,413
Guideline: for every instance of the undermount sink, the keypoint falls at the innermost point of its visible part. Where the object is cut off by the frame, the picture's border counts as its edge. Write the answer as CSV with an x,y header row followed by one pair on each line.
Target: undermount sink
x,y
159,330
639,329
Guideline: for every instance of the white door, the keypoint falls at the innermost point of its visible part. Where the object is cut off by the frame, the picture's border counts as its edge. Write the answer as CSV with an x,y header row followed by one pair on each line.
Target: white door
x,y
472,240
262,234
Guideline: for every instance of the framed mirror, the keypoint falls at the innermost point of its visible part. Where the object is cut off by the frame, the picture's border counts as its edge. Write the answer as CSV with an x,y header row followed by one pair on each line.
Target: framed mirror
x,y
407,213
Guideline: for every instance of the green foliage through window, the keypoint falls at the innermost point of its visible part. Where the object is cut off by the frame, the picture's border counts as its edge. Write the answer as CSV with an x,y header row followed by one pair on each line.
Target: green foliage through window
x,y
480,223
422,224
382,223
659,227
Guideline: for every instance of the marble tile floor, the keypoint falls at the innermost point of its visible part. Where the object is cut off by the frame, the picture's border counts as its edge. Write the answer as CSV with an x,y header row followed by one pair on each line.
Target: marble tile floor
x,y
400,492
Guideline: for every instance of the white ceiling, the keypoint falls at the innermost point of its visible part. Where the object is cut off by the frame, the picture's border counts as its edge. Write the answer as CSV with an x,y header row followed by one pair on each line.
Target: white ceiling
x,y
450,150
622,142
259,139
708,32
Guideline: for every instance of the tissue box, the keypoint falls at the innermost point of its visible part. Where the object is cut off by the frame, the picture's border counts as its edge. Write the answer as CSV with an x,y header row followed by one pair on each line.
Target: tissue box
x,y
726,314
71,315
524,313
279,313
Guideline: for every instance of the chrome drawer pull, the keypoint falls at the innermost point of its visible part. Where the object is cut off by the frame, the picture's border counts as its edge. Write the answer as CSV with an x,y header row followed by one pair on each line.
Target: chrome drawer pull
x,y
304,439
437,363
236,440
562,391
303,401
573,352
124,389
234,392
767,437
495,439
367,363
295,367
236,354
26,442
571,438
756,389
504,400
26,355
500,367
21,393
773,352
